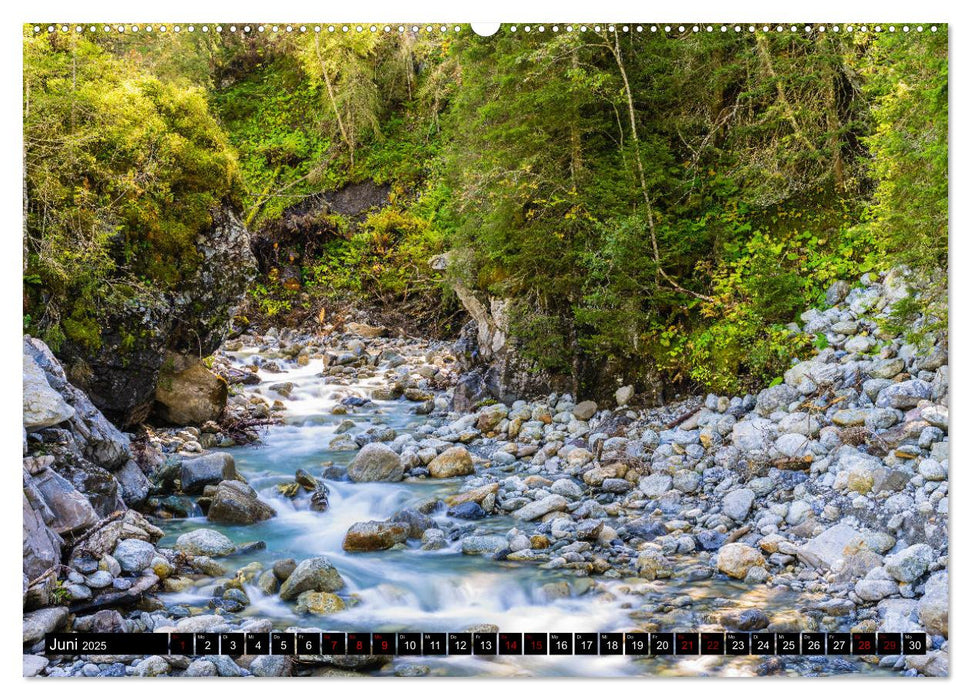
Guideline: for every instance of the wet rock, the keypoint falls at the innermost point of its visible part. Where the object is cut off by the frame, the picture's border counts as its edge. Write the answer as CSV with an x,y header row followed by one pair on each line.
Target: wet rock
x,y
476,495
374,535
467,511
376,462
736,559
319,603
237,503
483,544
455,461
314,574
207,470
205,542
745,620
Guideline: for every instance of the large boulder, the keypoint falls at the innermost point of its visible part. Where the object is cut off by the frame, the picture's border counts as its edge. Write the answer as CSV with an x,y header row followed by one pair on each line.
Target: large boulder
x,y
374,535
376,462
207,470
237,503
71,512
189,395
315,574
43,407
455,461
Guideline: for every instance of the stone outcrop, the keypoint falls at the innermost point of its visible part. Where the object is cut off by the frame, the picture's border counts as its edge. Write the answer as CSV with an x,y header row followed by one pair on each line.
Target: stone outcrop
x,y
141,338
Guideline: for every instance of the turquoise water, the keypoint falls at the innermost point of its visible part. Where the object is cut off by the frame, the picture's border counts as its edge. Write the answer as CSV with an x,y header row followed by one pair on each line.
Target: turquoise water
x,y
414,590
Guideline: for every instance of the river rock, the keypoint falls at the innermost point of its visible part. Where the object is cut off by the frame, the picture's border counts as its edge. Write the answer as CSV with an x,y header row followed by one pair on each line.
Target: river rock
x,y
585,410
376,462
237,503
904,395
366,331
319,603
41,545
754,435
876,586
738,503
467,511
189,395
134,556
33,664
736,559
455,461
314,574
933,606
655,485
538,509
209,469
151,667
775,398
910,564
623,395
70,510
491,416
476,495
42,405
832,547
483,544
205,542
374,535
44,621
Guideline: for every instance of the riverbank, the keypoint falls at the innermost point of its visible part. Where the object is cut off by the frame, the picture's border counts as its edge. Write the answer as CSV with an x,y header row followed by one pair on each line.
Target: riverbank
x,y
818,504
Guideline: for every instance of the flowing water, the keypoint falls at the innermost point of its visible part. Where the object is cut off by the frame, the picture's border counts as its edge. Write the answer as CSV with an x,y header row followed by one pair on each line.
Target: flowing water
x,y
440,591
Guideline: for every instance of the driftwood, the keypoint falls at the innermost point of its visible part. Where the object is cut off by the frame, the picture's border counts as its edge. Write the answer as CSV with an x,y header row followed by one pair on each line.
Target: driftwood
x,y
737,534
682,417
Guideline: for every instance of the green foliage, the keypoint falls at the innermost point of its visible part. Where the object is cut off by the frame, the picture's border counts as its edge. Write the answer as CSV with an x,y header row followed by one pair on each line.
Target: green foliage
x,y
645,202
908,86
123,172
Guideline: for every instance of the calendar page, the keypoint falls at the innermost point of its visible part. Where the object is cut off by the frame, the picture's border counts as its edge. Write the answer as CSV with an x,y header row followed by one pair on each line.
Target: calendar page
x,y
424,349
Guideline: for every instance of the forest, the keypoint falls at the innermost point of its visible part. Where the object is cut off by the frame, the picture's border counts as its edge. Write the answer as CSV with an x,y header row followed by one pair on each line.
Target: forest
x,y
647,203
400,329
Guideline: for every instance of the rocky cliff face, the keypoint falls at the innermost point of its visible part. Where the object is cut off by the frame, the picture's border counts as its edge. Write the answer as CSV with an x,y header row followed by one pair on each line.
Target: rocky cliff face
x,y
148,343
78,469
